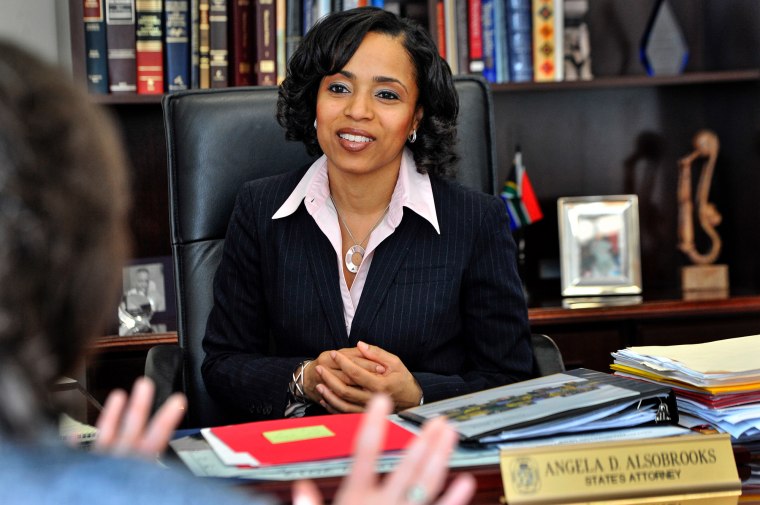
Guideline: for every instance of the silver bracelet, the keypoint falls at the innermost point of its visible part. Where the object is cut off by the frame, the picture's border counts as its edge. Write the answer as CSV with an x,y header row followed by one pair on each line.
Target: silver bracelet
x,y
296,384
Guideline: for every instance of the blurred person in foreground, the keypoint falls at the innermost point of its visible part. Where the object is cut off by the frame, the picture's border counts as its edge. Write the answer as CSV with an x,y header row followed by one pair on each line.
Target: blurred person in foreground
x,y
64,202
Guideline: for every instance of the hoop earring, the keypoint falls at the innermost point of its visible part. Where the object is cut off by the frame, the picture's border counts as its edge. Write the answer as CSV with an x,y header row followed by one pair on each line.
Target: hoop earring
x,y
413,137
315,123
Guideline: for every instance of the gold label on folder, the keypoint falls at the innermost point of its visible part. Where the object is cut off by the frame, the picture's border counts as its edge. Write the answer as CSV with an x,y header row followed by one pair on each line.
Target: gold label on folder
x,y
682,468
298,434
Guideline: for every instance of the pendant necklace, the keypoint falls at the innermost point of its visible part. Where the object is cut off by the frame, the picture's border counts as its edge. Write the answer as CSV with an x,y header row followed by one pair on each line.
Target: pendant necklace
x,y
356,249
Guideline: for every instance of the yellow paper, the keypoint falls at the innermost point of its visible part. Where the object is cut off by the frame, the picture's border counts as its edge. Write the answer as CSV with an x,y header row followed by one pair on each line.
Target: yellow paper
x,y
733,355
713,390
298,434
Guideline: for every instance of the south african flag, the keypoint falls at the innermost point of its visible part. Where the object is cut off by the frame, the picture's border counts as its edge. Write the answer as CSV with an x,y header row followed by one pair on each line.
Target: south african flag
x,y
519,197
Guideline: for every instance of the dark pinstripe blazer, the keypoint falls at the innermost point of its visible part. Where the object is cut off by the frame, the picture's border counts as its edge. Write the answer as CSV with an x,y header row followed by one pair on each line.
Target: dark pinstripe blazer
x,y
449,305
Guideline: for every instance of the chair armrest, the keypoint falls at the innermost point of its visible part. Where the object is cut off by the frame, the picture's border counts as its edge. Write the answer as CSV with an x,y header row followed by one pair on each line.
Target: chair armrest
x,y
547,358
163,365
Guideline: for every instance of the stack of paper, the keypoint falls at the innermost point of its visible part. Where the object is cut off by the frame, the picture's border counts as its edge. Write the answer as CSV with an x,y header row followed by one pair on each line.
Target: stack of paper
x,y
717,384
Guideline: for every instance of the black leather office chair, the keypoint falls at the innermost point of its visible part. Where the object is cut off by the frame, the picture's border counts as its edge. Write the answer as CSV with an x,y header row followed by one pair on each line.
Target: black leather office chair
x,y
218,139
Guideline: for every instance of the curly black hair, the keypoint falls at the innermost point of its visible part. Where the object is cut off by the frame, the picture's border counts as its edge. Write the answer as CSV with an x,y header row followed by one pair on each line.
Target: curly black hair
x,y
328,47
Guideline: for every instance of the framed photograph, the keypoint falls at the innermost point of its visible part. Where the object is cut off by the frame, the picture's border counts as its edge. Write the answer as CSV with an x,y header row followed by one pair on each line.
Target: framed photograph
x,y
599,245
147,303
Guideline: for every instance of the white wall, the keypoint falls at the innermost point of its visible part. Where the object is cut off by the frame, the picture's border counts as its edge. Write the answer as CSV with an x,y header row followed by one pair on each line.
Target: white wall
x,y
40,26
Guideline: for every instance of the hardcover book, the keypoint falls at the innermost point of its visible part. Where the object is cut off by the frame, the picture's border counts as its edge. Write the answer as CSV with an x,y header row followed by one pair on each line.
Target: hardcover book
x,y
122,69
462,35
177,29
548,25
440,28
450,33
500,41
293,26
266,48
559,403
218,48
475,36
520,40
195,77
242,42
204,71
489,40
149,45
95,46
282,61
308,14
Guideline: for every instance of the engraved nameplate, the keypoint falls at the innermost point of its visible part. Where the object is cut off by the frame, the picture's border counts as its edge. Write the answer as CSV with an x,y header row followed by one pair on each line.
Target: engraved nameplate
x,y
685,469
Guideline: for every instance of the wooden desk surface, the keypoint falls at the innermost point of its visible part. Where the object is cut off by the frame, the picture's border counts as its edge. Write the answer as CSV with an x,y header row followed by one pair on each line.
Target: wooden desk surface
x,y
489,491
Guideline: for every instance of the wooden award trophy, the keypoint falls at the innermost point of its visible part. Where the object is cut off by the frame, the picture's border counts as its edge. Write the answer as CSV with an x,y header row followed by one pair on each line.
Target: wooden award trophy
x,y
703,279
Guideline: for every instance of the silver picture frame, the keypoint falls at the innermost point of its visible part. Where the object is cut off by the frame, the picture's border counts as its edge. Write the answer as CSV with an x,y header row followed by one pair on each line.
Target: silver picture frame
x,y
599,245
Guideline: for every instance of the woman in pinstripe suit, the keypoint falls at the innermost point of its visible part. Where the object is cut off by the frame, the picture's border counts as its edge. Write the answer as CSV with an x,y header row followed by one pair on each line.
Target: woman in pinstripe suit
x,y
370,270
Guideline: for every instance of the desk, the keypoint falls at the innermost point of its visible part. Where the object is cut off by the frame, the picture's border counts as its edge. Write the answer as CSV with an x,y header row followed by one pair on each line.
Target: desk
x,y
489,491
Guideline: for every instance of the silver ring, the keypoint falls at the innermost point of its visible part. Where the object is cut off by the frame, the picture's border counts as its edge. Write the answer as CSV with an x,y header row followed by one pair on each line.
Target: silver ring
x,y
416,494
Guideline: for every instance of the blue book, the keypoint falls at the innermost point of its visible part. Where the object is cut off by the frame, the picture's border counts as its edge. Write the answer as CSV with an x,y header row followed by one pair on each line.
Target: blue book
x,y
520,40
378,3
96,58
177,30
489,40
308,15
500,41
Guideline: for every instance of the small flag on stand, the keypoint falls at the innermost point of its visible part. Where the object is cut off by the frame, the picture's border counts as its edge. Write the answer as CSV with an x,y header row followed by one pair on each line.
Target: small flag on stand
x,y
522,204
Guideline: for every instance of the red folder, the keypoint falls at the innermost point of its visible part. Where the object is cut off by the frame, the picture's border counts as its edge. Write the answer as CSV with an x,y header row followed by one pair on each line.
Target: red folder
x,y
303,439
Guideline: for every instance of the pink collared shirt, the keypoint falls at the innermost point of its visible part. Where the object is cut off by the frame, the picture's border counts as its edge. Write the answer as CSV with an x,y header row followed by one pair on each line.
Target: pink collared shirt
x,y
413,190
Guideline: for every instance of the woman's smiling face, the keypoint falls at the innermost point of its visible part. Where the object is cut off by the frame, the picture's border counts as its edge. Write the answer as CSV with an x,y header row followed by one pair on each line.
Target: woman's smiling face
x,y
366,111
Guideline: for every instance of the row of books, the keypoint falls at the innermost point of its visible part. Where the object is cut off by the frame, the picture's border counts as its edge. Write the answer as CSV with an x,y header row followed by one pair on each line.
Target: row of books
x,y
515,40
160,46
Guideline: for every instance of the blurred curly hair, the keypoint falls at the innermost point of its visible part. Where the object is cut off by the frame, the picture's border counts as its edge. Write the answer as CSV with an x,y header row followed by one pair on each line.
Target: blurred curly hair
x,y
64,200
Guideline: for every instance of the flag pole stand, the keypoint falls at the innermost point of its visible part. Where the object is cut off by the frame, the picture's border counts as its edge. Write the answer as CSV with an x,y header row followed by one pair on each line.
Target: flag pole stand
x,y
519,236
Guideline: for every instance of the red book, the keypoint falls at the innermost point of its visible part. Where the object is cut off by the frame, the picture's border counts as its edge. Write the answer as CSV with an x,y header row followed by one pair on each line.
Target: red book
x,y
440,28
266,46
296,440
150,53
475,34
241,43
